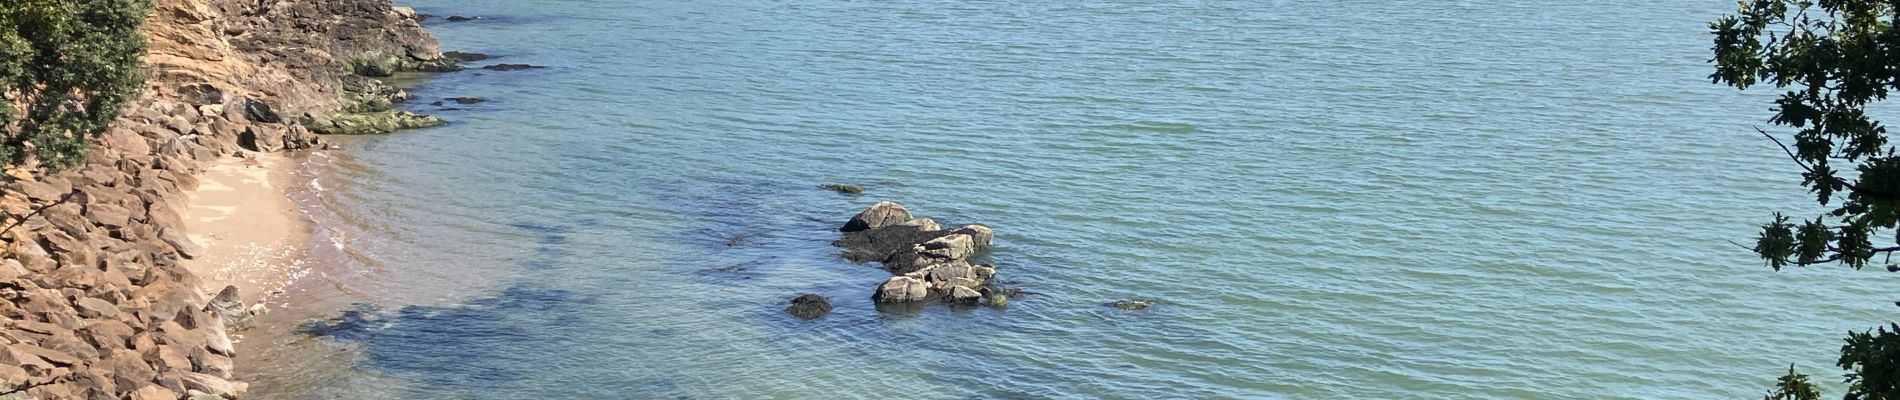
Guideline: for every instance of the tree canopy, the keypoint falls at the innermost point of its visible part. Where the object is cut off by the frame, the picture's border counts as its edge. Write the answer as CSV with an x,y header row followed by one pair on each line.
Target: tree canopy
x,y
1832,59
66,69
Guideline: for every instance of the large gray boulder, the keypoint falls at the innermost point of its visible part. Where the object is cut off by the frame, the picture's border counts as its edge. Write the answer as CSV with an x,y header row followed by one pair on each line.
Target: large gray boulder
x,y
947,271
956,246
980,235
963,295
882,214
900,289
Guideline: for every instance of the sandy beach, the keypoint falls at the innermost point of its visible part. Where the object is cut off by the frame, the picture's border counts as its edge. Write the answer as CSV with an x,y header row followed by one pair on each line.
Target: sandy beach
x,y
251,231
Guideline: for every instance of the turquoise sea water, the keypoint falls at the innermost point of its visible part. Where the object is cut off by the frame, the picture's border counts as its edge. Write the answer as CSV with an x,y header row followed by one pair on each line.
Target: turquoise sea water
x,y
1357,199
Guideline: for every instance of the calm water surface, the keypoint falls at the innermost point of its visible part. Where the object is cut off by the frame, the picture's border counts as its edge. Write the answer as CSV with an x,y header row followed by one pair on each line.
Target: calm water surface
x,y
1358,199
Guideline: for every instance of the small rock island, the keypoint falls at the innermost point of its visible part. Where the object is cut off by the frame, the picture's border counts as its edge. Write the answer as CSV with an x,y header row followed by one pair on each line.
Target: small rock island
x,y
928,263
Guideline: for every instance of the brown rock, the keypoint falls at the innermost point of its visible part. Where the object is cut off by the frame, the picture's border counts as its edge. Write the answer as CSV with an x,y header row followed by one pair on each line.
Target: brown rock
x,y
91,307
109,215
211,363
107,333
179,241
153,392
66,217
299,137
44,302
33,363
218,341
174,379
41,328
39,191
11,268
213,385
178,124
172,334
163,215
167,359
263,137
143,342
126,141
54,391
34,257
12,376
93,384
127,369
65,342
57,358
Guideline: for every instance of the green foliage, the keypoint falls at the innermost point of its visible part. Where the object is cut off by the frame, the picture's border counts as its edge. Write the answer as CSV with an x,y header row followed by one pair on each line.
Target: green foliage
x,y
1793,386
1870,355
66,69
1831,58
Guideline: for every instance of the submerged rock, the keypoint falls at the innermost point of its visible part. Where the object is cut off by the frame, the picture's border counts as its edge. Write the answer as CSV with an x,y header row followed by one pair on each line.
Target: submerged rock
x,y
846,189
371,123
511,67
997,300
809,306
465,56
458,100
1133,304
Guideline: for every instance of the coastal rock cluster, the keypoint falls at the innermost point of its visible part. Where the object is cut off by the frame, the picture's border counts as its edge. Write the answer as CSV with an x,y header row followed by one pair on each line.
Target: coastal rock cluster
x,y
927,262
94,303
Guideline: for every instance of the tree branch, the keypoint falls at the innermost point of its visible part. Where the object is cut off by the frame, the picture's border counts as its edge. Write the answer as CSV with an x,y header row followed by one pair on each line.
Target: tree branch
x,y
1837,256
1797,159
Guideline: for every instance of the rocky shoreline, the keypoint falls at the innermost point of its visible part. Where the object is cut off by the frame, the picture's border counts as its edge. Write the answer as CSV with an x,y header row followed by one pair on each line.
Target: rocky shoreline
x,y
94,300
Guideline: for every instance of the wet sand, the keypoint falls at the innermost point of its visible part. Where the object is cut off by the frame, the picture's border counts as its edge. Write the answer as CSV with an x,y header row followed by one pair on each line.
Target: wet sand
x,y
252,233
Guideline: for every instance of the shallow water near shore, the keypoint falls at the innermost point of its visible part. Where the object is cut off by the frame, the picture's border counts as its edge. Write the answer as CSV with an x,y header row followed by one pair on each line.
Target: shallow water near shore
x,y
1364,200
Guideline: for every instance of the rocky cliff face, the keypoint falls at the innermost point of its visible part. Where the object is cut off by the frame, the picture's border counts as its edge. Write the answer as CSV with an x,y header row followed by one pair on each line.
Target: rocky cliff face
x,y
93,301
294,55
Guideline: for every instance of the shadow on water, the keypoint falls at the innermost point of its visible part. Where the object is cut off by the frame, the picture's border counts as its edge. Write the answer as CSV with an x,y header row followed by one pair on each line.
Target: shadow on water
x,y
481,344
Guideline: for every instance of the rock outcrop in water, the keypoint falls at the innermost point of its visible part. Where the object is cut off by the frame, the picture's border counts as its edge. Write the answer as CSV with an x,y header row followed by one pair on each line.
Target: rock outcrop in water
x,y
928,262
809,306
93,301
